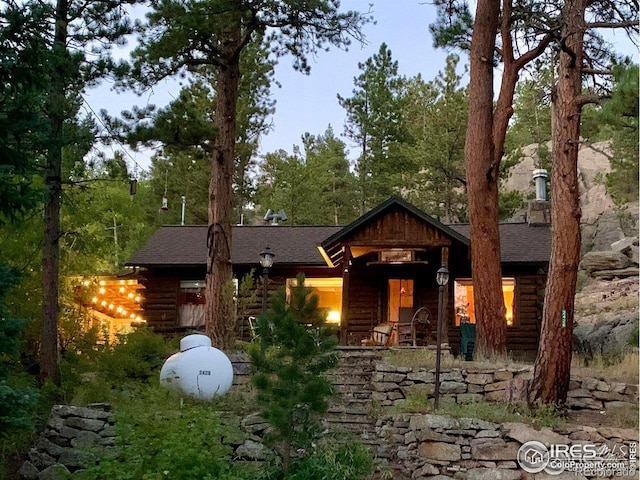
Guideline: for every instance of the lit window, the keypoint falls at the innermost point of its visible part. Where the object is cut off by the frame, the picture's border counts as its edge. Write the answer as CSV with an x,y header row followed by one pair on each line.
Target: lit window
x,y
329,291
464,309
192,303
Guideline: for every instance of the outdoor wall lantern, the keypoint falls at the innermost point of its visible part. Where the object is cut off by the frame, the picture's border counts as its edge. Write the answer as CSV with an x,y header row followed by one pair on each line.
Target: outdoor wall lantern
x,y
266,262
442,278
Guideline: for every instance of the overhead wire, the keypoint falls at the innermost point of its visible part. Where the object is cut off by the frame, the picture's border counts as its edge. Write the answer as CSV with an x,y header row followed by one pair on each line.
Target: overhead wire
x,y
125,149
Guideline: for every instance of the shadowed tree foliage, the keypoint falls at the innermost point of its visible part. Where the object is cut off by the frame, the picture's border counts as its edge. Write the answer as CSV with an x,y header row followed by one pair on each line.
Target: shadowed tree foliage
x,y
16,403
376,124
23,90
314,187
68,51
622,113
436,114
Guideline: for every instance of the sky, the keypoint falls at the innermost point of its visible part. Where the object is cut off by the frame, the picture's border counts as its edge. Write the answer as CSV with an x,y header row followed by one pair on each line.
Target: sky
x,y
308,103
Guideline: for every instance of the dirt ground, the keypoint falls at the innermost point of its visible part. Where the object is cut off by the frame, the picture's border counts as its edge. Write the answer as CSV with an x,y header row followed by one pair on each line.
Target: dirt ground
x,y
596,419
599,299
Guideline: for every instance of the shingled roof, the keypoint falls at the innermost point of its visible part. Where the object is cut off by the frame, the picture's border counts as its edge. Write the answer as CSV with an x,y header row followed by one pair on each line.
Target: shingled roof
x,y
519,242
187,245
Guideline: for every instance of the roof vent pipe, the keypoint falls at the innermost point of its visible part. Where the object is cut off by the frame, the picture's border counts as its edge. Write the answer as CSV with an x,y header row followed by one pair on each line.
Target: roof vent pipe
x,y
540,177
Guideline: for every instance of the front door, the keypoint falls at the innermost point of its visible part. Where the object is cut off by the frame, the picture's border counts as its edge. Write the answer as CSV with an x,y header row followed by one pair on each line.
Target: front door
x,y
399,300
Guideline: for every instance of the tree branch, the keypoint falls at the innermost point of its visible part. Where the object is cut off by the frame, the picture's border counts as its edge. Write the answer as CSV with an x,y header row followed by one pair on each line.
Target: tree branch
x,y
534,53
583,100
595,71
630,23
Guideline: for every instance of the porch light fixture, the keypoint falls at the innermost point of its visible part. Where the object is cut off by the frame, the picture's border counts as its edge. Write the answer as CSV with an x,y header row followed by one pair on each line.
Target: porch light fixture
x,y
266,262
266,258
442,278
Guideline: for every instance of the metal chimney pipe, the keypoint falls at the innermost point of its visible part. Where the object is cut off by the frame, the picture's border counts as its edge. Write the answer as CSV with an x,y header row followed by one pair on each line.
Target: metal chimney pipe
x,y
540,177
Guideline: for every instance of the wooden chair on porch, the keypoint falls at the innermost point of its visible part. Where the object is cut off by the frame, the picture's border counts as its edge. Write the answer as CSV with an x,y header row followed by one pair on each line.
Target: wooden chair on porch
x,y
381,336
421,322
414,327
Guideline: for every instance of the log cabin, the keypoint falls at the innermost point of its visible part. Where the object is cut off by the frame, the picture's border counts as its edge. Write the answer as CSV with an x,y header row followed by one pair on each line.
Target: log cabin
x,y
380,270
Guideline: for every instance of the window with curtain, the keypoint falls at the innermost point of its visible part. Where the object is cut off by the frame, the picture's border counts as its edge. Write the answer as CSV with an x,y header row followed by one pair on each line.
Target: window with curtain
x,y
464,308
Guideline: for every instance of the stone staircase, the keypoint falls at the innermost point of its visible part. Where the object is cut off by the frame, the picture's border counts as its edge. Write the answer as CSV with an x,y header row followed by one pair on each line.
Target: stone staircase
x,y
352,408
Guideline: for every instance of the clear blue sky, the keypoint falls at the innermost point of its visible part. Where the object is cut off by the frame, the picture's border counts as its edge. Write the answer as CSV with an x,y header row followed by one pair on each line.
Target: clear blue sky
x,y
308,103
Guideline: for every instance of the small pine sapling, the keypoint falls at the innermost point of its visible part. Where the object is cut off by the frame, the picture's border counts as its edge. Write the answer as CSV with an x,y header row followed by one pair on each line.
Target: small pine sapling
x,y
294,350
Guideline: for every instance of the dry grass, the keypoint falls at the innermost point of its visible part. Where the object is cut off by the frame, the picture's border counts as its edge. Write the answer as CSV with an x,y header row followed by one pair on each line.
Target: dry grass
x,y
624,370
426,358
420,400
624,417
603,310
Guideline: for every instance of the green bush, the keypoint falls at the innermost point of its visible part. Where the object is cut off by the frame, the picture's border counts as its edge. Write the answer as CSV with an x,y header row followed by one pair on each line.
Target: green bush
x,y
337,461
119,371
136,356
333,459
159,439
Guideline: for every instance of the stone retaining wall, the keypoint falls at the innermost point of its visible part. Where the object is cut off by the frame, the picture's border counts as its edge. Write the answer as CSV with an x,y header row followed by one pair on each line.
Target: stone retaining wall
x,y
414,446
62,448
441,447
364,377
391,386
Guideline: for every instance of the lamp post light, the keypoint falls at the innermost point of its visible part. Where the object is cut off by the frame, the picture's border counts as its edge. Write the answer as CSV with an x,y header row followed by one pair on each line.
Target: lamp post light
x,y
442,278
266,261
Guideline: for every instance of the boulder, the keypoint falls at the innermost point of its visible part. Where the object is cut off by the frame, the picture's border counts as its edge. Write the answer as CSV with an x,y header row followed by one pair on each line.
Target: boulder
x,y
625,245
251,450
606,337
607,260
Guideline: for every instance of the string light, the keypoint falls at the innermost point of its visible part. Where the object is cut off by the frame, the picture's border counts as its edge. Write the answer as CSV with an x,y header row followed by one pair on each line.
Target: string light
x,y
113,307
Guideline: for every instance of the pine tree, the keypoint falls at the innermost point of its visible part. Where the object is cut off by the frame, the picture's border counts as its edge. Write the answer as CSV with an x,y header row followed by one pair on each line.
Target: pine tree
x,y
375,122
436,114
292,352
15,403
184,36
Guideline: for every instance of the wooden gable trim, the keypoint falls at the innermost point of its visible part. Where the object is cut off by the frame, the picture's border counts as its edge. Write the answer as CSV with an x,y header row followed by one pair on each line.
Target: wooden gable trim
x,y
393,224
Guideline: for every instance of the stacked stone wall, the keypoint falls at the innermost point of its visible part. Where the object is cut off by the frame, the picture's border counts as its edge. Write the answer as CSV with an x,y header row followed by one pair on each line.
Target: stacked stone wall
x,y
363,380
414,446
65,445
440,447
391,385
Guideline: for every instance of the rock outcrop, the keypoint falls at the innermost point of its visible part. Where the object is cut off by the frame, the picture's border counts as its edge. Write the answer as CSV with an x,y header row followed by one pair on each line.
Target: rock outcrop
x,y
603,222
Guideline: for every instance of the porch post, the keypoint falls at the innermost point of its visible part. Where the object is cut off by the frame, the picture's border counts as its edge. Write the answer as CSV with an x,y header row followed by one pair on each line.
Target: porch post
x,y
444,261
344,313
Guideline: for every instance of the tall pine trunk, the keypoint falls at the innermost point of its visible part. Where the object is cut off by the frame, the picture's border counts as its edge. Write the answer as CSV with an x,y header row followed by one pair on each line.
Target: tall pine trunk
x,y
482,168
220,317
552,369
49,363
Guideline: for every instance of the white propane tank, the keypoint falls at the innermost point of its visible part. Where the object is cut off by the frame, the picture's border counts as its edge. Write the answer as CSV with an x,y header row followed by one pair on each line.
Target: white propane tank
x,y
198,370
